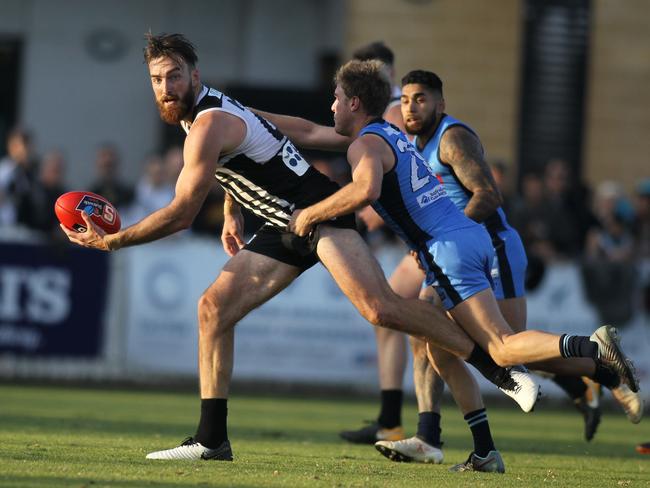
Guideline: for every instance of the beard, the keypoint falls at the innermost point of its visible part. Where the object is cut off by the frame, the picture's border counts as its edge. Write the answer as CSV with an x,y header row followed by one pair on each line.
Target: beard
x,y
173,114
340,128
422,126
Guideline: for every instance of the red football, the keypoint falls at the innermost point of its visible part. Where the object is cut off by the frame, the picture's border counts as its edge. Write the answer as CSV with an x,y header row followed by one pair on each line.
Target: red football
x,y
68,209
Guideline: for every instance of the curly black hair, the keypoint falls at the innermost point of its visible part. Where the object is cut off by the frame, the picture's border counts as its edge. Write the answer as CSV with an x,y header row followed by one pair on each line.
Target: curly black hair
x,y
426,78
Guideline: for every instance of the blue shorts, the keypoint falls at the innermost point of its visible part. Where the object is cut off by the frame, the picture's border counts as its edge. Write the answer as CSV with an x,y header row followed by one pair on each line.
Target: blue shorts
x,y
509,265
459,264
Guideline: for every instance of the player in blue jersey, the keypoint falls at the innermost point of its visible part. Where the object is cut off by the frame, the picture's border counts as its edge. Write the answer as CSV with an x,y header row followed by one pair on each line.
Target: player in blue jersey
x,y
457,253
455,155
392,351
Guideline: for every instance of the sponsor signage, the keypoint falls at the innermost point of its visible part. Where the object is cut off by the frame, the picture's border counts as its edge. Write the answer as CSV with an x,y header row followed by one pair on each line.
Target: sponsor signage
x,y
52,300
309,332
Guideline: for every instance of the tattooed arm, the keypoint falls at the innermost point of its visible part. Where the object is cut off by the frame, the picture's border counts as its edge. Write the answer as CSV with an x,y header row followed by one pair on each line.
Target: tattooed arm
x,y
462,150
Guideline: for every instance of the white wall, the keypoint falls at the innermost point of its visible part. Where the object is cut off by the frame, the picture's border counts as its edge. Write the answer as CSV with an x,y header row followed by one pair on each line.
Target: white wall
x,y
74,102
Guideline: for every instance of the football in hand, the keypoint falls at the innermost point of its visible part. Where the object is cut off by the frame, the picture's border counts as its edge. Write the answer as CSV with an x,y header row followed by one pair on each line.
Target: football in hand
x,y
68,208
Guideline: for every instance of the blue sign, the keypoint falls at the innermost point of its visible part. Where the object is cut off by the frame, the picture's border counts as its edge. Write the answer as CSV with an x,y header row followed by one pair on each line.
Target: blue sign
x,y
52,300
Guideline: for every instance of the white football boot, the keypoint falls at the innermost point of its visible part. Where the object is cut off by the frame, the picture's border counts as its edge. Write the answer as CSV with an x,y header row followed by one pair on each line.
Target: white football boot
x,y
611,355
190,450
409,450
521,387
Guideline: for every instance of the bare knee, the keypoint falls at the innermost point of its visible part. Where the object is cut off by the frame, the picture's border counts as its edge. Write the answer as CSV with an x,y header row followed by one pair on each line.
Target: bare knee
x,y
377,316
501,352
378,312
211,321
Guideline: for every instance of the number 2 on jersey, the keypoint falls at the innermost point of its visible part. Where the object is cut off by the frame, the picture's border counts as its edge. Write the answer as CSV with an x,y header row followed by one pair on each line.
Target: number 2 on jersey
x,y
418,182
418,166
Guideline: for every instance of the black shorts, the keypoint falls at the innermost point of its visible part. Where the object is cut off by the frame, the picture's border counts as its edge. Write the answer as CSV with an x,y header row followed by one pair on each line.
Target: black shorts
x,y
291,249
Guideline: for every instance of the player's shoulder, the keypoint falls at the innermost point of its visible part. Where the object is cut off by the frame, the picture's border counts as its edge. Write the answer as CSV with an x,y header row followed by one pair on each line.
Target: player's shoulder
x,y
459,136
460,145
369,141
458,130
217,126
370,144
215,118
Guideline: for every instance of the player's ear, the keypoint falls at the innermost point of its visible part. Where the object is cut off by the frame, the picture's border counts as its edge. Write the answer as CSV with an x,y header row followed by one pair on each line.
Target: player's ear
x,y
194,73
442,105
355,103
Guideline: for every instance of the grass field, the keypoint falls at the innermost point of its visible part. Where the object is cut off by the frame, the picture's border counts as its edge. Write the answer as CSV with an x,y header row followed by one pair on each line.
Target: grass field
x,y
56,437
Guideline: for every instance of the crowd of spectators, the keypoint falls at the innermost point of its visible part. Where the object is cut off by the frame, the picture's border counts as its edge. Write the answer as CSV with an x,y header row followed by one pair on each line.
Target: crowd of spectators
x,y
605,230
559,217
30,185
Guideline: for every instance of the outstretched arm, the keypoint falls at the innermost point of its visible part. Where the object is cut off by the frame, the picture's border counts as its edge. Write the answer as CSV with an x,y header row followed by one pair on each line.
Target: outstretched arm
x,y
365,160
207,138
307,134
462,150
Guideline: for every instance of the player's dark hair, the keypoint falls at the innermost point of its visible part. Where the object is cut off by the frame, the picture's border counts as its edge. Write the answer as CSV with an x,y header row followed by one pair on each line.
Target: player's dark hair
x,y
368,81
375,50
175,46
426,78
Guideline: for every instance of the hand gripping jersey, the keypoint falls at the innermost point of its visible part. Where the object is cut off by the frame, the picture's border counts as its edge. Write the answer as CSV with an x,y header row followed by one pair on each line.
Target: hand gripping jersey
x,y
266,174
508,272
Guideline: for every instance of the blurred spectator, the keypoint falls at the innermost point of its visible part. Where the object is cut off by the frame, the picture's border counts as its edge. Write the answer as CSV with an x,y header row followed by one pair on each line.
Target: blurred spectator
x,y
610,240
552,215
35,209
499,171
17,173
173,163
108,183
529,215
609,256
152,192
641,232
641,224
568,215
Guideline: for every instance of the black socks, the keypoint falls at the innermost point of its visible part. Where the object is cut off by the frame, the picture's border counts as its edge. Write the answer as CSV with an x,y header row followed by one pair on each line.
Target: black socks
x,y
572,385
390,415
429,428
212,430
606,377
486,366
572,346
478,424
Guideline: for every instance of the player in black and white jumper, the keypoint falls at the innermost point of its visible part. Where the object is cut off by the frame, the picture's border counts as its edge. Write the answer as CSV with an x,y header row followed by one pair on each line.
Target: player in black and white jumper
x,y
262,171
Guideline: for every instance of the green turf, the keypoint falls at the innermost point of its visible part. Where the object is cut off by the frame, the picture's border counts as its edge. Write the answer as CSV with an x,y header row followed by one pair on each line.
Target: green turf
x,y
65,437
